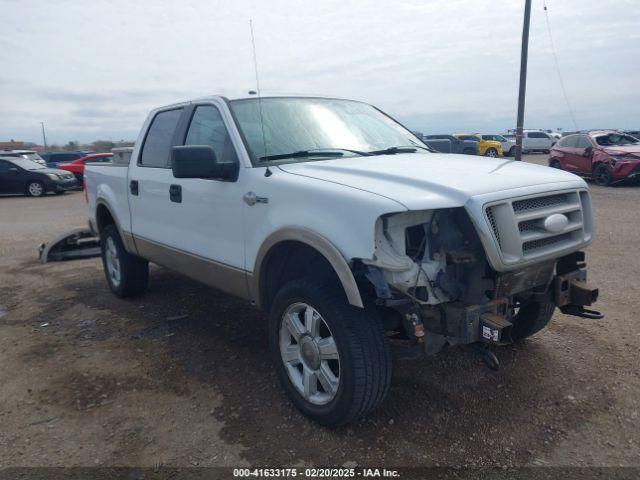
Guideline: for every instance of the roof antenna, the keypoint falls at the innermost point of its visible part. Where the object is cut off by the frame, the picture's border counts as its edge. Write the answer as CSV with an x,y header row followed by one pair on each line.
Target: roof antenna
x,y
267,172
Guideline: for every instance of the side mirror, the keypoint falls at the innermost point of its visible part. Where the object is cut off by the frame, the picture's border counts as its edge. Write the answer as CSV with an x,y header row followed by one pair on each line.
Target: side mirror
x,y
199,161
587,152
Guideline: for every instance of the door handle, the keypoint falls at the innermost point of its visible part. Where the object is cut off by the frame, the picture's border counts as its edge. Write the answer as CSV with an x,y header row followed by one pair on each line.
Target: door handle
x,y
133,187
250,198
175,193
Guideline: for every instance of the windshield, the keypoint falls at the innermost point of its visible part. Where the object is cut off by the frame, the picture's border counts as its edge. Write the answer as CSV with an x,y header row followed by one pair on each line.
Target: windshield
x,y
616,139
26,164
316,124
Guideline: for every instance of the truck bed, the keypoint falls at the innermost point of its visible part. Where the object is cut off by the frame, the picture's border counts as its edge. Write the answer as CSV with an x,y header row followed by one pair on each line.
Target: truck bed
x,y
108,181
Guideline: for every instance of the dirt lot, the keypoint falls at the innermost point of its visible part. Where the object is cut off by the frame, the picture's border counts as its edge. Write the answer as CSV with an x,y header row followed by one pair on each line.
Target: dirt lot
x,y
181,375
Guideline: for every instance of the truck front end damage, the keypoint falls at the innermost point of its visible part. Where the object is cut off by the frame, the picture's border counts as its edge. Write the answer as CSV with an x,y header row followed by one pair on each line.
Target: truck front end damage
x,y
438,282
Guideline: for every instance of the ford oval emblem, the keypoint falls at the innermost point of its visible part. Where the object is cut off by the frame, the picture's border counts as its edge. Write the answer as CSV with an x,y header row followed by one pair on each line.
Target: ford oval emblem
x,y
555,223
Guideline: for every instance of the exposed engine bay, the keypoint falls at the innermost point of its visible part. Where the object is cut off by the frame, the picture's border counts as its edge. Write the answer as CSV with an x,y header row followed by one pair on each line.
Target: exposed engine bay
x,y
430,268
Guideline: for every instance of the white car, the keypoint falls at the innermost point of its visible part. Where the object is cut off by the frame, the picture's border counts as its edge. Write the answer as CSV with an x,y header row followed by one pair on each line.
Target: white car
x,y
348,232
27,154
537,141
508,144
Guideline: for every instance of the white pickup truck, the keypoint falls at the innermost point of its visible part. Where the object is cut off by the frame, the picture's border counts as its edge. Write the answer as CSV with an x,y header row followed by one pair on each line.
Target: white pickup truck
x,y
359,242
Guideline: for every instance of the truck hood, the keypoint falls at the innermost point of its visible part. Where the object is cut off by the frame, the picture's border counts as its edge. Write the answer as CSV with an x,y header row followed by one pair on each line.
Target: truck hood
x,y
431,180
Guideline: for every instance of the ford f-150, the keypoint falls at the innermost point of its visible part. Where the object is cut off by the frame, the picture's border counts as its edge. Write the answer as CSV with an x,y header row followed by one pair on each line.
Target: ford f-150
x,y
359,242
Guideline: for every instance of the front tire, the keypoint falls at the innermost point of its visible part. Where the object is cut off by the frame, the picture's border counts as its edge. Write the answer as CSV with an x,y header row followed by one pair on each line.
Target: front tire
x,y
127,275
602,175
555,164
491,152
333,359
35,188
531,318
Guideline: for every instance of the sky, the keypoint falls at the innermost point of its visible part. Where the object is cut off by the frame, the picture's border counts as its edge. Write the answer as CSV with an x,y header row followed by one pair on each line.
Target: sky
x,y
93,70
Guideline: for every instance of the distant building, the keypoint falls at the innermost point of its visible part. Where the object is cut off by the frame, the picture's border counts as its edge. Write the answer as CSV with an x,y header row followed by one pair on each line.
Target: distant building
x,y
19,145
12,145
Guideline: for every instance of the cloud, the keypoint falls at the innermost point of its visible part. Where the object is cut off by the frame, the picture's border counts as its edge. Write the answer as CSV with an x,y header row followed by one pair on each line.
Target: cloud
x,y
90,70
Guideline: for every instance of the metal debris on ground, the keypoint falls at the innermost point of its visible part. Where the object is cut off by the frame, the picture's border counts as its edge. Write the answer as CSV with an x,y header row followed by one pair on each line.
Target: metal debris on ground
x,y
73,245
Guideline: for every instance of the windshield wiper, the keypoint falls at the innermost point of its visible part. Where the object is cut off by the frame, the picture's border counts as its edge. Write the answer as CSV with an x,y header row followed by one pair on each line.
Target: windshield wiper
x,y
316,152
400,149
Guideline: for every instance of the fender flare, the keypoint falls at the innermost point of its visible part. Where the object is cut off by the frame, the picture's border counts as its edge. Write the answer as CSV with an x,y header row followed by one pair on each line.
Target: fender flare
x,y
319,243
127,238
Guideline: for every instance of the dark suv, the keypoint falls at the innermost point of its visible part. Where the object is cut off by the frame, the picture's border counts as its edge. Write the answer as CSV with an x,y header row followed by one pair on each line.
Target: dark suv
x,y
604,156
450,144
54,158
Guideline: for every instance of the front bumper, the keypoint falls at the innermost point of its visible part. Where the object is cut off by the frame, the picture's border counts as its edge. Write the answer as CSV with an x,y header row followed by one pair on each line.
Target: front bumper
x,y
64,185
626,171
562,283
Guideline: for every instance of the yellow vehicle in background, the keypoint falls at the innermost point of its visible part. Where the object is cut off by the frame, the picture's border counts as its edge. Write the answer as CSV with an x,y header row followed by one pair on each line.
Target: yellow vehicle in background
x,y
487,148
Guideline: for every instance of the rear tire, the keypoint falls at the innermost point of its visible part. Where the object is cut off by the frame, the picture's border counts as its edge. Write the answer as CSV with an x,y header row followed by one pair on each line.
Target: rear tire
x,y
360,365
531,318
35,188
555,164
127,275
602,175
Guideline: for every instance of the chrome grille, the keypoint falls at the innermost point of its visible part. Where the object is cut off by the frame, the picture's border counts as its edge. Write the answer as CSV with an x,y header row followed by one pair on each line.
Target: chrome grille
x,y
518,225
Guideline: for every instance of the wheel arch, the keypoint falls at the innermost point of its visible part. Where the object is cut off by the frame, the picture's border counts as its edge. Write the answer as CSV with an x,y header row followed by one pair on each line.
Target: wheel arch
x,y
105,216
280,243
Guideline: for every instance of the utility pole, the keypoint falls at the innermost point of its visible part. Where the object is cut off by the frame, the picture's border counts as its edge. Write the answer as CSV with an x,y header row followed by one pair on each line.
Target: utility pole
x,y
44,137
523,78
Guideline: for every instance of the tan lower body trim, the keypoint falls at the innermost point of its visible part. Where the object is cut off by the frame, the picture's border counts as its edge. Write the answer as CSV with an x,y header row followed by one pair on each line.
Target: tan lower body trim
x,y
129,244
218,275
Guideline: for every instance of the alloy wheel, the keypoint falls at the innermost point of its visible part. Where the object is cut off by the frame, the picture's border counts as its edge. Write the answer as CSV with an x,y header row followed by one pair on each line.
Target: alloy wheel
x,y
492,153
603,177
113,262
309,353
35,189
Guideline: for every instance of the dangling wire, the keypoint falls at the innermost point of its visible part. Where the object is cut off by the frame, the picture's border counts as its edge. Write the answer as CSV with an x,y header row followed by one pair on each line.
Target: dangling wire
x,y
555,58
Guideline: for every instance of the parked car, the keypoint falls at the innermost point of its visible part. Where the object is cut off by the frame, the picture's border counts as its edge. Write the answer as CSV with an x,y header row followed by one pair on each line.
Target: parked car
x,y
486,148
28,154
77,166
450,144
19,175
508,145
537,141
553,134
604,156
349,238
54,158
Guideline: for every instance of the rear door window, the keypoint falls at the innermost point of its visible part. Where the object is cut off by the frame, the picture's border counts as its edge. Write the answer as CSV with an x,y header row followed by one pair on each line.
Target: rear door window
x,y
5,166
582,142
157,144
570,142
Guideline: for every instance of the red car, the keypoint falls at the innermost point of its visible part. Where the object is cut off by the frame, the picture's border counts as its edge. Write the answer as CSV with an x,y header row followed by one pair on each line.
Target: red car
x,y
605,156
77,166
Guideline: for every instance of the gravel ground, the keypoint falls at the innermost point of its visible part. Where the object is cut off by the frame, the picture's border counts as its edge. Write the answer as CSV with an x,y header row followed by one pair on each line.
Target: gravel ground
x,y
181,377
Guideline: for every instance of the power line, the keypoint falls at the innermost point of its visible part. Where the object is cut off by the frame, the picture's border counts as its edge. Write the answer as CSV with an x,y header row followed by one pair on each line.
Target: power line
x,y
555,59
